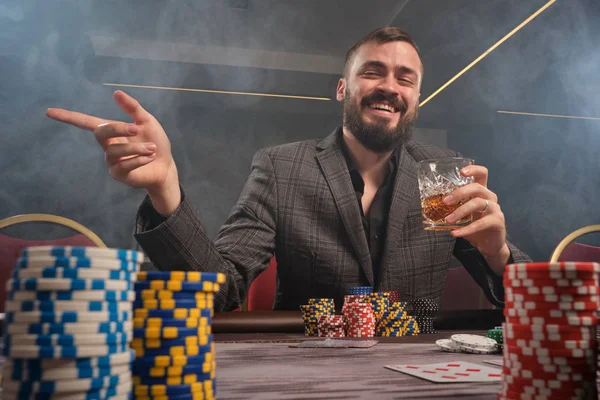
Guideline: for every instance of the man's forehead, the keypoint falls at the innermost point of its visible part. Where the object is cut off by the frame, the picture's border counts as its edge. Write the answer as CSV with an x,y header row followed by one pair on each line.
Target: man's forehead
x,y
393,54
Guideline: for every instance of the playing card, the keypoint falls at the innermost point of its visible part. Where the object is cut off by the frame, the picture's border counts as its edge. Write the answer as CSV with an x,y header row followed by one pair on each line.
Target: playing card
x,y
336,343
494,362
450,372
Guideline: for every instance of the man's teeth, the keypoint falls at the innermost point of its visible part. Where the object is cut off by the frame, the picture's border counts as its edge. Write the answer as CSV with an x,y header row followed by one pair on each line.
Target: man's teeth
x,y
379,106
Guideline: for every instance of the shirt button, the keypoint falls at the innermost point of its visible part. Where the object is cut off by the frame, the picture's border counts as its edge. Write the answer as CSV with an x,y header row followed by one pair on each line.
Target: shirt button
x,y
376,237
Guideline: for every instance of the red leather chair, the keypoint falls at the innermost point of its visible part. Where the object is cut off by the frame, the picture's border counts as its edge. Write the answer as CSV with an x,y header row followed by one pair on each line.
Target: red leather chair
x,y
262,291
569,250
462,293
10,247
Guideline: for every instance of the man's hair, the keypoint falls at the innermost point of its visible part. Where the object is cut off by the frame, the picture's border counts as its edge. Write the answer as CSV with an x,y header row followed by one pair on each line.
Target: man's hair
x,y
381,36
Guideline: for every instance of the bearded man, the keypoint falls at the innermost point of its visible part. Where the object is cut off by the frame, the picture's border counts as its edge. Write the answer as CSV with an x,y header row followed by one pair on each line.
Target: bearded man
x,y
340,212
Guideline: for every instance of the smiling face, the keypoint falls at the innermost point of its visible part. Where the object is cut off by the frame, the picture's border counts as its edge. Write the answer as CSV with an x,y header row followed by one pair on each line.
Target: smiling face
x,y
380,93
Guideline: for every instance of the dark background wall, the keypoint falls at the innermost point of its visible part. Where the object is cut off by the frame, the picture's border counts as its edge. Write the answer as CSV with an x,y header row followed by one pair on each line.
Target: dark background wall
x,y
545,170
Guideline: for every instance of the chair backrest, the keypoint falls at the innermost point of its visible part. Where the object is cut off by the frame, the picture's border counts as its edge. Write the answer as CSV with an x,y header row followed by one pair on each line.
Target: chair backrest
x,y
10,247
569,250
262,291
462,292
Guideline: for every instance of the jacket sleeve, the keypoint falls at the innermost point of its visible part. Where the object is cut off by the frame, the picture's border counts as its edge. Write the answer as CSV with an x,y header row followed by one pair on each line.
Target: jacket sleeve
x,y
491,284
242,248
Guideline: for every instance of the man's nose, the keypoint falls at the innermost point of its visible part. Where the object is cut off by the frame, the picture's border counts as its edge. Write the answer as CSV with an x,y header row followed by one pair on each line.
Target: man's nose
x,y
388,85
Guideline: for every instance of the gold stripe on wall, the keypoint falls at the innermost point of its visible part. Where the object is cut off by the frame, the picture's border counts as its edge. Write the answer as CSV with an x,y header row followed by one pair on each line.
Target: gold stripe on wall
x,y
548,115
488,51
285,96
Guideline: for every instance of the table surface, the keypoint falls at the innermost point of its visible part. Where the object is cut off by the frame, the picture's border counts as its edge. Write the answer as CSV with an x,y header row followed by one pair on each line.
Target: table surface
x,y
264,366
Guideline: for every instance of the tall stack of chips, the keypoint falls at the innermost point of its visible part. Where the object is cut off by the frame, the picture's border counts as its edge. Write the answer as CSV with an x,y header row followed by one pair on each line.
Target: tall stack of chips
x,y
424,311
360,320
313,311
379,302
68,323
396,322
550,345
175,352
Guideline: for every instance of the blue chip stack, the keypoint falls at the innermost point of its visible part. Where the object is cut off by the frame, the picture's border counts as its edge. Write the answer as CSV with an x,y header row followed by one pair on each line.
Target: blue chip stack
x,y
68,323
172,335
360,290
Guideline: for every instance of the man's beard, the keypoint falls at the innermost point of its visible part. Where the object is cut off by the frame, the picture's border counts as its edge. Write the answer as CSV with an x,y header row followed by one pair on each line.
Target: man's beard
x,y
377,136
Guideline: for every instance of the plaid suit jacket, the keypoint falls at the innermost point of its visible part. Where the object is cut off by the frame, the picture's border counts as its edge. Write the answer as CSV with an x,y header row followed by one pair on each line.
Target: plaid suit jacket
x,y
299,203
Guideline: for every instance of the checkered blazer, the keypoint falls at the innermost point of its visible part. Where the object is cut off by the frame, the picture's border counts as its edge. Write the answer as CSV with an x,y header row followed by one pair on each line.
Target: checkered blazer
x,y
299,203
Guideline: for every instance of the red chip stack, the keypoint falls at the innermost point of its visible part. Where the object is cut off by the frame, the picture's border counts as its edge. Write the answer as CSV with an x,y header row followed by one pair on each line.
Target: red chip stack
x,y
550,345
351,298
360,320
331,326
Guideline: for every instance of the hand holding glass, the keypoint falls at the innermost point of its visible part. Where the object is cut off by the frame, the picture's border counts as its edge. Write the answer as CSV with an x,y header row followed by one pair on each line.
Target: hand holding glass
x,y
437,179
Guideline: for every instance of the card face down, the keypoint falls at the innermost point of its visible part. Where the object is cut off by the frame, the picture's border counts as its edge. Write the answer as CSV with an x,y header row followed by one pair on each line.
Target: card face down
x,y
450,372
329,343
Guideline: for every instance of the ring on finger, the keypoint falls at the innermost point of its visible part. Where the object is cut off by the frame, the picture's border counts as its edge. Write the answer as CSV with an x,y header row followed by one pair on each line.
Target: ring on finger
x,y
487,205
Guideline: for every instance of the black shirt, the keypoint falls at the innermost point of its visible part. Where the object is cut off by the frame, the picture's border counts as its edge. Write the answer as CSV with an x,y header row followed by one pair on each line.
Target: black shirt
x,y
375,223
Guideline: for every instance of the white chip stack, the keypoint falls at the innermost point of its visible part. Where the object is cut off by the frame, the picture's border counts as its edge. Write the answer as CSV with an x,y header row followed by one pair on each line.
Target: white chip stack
x,y
464,343
68,323
550,345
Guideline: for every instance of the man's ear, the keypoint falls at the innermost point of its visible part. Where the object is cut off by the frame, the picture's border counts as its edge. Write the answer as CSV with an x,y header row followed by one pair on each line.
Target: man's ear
x,y
341,89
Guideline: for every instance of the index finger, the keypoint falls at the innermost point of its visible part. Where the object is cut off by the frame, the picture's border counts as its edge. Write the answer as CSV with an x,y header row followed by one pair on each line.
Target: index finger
x,y
478,172
80,120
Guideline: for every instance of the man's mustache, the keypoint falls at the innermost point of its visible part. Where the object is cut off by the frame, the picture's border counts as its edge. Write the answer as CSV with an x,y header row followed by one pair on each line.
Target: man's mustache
x,y
379,97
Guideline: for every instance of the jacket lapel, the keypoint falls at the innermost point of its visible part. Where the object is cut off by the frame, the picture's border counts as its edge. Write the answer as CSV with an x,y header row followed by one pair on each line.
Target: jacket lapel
x,y
406,188
332,162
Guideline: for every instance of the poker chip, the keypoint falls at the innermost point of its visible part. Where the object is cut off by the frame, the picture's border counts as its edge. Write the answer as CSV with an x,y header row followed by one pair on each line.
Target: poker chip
x,y
474,341
478,350
170,332
65,339
67,305
54,284
68,328
91,252
74,273
93,295
544,290
311,313
158,372
166,361
169,304
176,313
173,332
360,290
169,322
188,276
178,286
162,390
18,371
550,343
188,379
76,263
545,268
66,316
70,385
448,345
150,294
194,341
331,326
173,350
67,324
51,352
